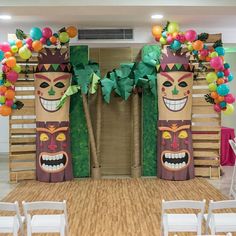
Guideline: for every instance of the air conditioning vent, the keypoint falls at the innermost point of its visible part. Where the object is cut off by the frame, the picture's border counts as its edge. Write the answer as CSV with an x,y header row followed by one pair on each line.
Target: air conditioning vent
x,y
105,34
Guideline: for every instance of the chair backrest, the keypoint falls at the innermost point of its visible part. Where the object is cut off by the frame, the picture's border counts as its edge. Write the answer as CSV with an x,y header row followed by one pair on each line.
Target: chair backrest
x,y
233,145
187,204
221,205
12,207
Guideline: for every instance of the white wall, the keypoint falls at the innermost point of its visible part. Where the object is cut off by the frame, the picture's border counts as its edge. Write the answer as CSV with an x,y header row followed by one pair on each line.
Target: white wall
x,y
142,35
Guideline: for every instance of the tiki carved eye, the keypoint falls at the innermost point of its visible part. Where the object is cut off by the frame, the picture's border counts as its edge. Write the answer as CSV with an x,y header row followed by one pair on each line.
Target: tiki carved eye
x,y
167,84
44,137
183,84
61,137
44,85
166,135
183,134
59,85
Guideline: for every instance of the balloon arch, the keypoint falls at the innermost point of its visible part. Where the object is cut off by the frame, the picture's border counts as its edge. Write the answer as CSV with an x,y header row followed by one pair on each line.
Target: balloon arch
x,y
24,45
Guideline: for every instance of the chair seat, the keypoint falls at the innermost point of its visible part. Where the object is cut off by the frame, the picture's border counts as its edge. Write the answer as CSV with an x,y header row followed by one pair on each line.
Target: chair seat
x,y
47,223
181,222
224,222
7,223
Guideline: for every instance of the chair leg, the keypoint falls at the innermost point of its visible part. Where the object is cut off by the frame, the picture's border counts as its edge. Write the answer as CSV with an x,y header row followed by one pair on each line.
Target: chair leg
x,y
62,233
15,231
199,230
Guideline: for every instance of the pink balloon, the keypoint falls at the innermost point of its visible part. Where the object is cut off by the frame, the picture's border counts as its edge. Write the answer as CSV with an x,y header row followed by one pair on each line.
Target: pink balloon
x,y
12,76
204,52
230,98
29,41
47,32
43,40
6,47
182,38
169,39
5,68
190,35
216,63
217,108
227,72
9,103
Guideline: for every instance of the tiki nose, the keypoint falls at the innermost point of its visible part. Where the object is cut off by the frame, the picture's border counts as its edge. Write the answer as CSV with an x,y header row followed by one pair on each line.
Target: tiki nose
x,y
175,144
52,147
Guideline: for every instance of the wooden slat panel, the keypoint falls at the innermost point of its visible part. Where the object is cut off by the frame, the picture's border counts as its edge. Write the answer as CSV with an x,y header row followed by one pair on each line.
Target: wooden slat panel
x,y
201,82
24,111
206,137
204,110
205,172
23,148
198,162
200,91
22,175
23,131
22,121
23,157
25,92
201,102
22,165
23,140
209,145
24,83
206,128
206,119
203,153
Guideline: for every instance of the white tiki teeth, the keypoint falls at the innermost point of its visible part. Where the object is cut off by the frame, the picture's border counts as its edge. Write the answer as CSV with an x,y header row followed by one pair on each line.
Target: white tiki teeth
x,y
173,165
50,105
176,166
176,155
167,155
175,105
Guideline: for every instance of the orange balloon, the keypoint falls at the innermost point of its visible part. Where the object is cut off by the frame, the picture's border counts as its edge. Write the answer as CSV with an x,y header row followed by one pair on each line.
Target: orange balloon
x,y
220,81
3,89
221,98
5,110
198,45
207,58
71,31
11,62
216,100
214,95
10,94
37,45
53,39
19,43
7,54
174,35
156,30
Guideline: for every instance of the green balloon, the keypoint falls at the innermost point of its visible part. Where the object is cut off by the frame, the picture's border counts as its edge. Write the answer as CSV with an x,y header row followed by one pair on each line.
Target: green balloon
x,y
8,84
229,109
163,40
25,53
17,68
212,87
64,37
14,48
173,27
214,54
190,47
211,77
2,99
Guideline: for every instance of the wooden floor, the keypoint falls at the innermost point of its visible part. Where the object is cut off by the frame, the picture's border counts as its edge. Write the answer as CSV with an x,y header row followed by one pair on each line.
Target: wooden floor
x,y
115,207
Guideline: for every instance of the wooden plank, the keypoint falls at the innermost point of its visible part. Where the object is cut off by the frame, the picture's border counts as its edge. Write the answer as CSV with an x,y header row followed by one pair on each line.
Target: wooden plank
x,y
24,111
25,92
206,137
28,102
206,119
23,157
203,110
208,145
200,91
23,165
24,83
200,82
206,128
23,140
22,121
23,148
212,38
207,172
22,175
23,131
198,162
200,101
208,153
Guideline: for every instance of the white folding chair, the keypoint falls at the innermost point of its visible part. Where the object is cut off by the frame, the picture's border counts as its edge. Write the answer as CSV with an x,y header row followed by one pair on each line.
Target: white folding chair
x,y
11,224
47,223
232,191
221,222
182,222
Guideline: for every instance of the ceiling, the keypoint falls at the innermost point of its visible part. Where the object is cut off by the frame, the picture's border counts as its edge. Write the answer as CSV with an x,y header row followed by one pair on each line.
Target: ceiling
x,y
132,13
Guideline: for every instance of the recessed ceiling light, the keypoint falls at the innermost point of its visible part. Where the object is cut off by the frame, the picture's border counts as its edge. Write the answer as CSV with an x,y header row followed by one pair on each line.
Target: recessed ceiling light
x,y
157,16
5,17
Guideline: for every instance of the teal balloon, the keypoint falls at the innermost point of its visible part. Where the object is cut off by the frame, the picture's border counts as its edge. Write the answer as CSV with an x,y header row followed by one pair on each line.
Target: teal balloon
x,y
226,66
220,51
223,89
164,34
175,45
223,104
1,55
35,33
230,77
220,74
12,42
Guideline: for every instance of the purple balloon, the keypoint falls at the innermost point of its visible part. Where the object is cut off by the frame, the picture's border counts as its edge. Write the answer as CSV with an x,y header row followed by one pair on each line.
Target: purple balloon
x,y
191,35
12,76
217,108
47,32
216,63
229,98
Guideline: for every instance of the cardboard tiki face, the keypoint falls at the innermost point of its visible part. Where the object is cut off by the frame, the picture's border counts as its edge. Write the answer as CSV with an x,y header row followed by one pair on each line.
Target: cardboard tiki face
x,y
52,123
53,154
175,81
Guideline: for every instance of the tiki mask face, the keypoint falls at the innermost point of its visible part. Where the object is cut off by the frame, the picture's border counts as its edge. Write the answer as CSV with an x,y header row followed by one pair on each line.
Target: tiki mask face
x,y
53,156
50,87
175,95
175,150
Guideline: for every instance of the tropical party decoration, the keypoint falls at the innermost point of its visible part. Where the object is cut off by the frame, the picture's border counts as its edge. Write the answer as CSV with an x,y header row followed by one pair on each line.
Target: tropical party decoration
x,y
219,93
25,45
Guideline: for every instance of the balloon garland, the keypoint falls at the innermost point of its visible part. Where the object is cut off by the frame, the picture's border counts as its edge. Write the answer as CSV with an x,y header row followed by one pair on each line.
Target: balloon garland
x,y
25,45
217,80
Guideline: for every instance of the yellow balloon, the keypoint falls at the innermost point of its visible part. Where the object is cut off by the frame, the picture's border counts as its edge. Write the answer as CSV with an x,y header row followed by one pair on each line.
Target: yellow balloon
x,y
229,109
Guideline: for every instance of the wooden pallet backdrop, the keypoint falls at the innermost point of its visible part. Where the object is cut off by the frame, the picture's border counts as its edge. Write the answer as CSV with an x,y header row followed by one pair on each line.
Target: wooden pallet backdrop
x,y
206,122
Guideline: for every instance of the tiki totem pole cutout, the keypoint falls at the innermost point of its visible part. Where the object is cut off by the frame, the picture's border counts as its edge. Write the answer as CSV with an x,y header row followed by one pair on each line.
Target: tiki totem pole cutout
x,y
53,156
175,151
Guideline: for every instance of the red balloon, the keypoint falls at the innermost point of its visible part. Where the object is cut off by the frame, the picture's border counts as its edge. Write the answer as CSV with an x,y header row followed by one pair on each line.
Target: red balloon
x,y
47,32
